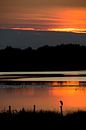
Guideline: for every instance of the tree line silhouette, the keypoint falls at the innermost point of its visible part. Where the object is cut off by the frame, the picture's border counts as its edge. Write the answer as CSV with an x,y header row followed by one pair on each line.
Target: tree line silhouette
x,y
50,58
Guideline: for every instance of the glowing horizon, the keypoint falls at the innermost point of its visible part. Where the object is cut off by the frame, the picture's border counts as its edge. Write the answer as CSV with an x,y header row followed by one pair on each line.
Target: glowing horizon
x,y
62,19
73,30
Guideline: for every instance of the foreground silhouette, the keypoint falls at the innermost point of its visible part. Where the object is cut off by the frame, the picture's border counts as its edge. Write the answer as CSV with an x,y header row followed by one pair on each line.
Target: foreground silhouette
x,y
60,57
42,120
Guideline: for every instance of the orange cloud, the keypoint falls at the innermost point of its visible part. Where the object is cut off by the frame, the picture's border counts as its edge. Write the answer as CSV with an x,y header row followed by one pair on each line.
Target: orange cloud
x,y
22,28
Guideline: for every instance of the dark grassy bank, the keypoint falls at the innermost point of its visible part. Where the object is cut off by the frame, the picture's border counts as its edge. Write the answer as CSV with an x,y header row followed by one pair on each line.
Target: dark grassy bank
x,y
42,120
46,58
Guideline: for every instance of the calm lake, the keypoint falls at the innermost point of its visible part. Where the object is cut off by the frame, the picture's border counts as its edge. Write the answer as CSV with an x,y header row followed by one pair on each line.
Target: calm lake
x,y
43,89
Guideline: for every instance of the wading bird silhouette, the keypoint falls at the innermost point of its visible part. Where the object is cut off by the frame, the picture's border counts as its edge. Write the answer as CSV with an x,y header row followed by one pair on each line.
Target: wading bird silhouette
x,y
61,102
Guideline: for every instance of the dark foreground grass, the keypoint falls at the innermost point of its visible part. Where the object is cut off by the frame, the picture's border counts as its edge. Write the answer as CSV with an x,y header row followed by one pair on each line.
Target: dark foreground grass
x,y
42,120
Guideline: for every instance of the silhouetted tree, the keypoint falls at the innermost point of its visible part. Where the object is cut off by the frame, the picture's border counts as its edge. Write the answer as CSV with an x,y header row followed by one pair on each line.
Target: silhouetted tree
x,y
60,57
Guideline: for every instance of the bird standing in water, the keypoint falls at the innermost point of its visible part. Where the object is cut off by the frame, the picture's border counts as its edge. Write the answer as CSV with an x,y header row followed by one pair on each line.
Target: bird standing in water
x,y
61,102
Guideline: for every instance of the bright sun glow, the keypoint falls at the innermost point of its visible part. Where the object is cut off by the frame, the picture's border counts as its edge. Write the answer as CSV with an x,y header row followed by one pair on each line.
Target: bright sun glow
x,y
75,30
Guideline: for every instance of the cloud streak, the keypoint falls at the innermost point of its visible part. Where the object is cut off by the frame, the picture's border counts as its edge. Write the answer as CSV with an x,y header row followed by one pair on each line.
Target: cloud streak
x,y
42,3
43,14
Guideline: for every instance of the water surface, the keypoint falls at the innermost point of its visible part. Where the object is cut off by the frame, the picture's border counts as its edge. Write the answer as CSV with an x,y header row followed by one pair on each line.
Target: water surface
x,y
43,89
45,98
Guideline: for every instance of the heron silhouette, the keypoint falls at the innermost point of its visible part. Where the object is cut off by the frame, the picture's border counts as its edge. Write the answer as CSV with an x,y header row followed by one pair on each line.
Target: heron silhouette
x,y
61,102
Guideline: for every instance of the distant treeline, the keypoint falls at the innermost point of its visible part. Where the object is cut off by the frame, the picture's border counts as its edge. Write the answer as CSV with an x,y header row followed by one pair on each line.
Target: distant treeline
x,y
46,58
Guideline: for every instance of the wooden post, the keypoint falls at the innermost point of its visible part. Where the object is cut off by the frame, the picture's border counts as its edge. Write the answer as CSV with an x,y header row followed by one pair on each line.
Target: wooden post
x,y
61,110
9,109
23,110
34,108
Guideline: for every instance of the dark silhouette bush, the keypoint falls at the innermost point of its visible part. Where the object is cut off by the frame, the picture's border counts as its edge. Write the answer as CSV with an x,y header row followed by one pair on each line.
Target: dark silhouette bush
x,y
42,120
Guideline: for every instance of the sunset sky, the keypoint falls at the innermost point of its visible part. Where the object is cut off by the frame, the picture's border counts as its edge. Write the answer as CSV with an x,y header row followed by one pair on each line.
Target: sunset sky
x,y
51,15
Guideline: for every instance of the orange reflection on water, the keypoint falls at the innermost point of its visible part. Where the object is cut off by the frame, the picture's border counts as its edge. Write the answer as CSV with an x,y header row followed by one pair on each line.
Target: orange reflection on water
x,y
68,83
45,98
73,97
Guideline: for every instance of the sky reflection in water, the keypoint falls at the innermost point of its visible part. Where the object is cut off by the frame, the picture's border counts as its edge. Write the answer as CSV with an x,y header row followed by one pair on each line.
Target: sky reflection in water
x,y
46,98
44,92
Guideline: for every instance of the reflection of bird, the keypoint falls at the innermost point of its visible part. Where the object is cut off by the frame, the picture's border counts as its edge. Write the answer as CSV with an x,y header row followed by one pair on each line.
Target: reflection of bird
x,y
61,102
